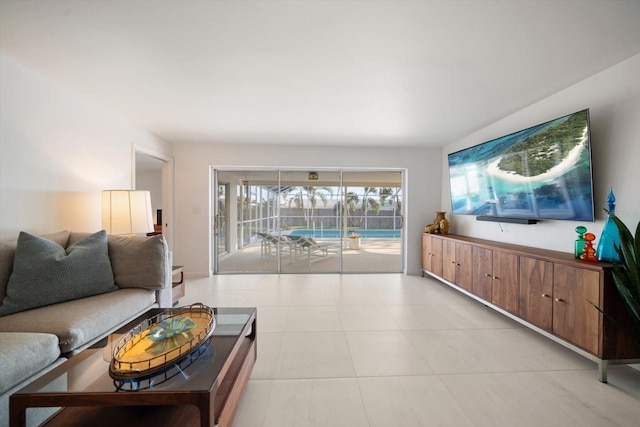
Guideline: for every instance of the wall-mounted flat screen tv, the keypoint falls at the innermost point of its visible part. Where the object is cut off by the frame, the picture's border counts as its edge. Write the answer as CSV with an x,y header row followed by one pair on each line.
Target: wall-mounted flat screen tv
x,y
542,172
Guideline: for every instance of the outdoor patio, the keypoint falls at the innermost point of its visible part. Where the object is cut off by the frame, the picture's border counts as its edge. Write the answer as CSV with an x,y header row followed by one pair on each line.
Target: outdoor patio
x,y
374,256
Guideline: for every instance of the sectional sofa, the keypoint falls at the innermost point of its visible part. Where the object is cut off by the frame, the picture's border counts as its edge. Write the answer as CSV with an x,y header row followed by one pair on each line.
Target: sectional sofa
x,y
62,292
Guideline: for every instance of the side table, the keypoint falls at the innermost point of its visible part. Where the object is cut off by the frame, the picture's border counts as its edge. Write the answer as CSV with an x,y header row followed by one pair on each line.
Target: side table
x,y
178,287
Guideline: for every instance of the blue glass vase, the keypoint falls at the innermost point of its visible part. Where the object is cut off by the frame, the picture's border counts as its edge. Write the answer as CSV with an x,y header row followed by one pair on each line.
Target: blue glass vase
x,y
610,237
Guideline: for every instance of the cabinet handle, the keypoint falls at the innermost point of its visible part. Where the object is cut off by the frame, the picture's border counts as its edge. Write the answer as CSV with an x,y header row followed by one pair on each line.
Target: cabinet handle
x,y
496,277
487,275
546,296
453,262
558,300
458,264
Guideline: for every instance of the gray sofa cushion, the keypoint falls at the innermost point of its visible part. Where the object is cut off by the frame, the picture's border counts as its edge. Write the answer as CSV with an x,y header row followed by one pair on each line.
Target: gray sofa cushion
x,y
23,355
79,322
8,250
46,273
138,261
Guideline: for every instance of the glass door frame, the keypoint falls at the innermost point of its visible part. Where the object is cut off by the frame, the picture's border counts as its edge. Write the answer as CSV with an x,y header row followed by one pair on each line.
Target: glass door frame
x,y
343,217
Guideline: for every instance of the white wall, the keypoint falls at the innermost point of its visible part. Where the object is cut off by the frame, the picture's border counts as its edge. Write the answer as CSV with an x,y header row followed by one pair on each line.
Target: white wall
x,y
193,161
152,182
613,97
58,151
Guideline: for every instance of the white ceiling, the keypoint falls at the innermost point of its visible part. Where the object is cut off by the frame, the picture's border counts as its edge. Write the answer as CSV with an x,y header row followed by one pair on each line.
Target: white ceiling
x,y
367,73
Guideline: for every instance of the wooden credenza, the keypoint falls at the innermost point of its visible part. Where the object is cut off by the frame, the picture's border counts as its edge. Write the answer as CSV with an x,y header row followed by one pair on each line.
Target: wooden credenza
x,y
548,291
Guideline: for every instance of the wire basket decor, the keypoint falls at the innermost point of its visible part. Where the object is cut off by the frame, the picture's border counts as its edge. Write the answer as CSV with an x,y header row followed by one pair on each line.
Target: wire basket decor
x,y
158,343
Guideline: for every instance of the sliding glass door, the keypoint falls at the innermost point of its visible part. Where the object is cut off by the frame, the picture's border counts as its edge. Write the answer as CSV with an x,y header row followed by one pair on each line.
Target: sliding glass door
x,y
293,221
373,222
245,218
310,221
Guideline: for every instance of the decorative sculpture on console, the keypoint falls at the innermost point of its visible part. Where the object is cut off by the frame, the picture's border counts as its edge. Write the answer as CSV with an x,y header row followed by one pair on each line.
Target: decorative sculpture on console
x,y
439,226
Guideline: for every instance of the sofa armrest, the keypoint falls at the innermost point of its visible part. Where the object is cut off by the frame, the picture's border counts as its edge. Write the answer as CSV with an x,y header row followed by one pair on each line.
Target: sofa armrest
x,y
164,296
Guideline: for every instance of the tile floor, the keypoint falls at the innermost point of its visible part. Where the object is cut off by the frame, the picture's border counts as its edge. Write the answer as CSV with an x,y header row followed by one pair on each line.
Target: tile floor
x,y
397,350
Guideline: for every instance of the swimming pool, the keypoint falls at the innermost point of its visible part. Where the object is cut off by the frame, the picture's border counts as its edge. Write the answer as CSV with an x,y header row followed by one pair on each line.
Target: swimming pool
x,y
334,234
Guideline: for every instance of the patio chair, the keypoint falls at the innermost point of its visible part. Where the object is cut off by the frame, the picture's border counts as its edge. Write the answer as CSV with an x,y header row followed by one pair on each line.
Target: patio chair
x,y
310,247
265,244
296,246
271,241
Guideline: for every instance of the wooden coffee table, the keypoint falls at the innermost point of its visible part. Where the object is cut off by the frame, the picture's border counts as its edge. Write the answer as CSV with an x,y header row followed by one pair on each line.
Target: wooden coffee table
x,y
206,393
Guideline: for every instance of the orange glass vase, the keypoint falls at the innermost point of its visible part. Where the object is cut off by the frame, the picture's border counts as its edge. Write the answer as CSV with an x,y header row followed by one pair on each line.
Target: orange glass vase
x,y
589,252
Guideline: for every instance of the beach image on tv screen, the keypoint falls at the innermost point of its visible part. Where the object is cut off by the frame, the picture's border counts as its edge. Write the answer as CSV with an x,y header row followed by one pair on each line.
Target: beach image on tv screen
x,y
542,172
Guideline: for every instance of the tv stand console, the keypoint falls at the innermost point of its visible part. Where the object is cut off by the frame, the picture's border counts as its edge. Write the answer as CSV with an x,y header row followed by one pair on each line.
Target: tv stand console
x,y
548,291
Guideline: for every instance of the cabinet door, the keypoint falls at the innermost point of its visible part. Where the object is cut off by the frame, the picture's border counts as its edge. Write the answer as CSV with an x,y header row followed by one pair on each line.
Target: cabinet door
x,y
464,264
432,254
504,291
426,252
575,318
482,272
536,292
436,255
449,263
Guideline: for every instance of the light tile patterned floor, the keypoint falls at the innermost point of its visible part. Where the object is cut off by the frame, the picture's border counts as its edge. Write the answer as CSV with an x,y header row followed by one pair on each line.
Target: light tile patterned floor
x,y
396,350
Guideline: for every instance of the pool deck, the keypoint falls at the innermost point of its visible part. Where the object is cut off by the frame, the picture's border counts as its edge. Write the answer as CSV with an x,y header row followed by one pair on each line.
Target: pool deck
x,y
375,255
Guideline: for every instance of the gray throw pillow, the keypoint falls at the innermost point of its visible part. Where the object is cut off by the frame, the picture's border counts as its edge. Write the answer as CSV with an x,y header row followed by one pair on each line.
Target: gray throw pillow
x,y
8,250
139,261
45,273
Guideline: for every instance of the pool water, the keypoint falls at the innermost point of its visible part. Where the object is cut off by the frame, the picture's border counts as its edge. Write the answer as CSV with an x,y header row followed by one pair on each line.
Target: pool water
x,y
335,234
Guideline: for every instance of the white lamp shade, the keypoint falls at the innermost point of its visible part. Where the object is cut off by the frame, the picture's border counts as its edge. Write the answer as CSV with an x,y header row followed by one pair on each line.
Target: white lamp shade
x,y
126,212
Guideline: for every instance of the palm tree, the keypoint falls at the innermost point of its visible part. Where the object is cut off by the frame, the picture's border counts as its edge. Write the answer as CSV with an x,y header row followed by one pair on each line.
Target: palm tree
x,y
351,200
393,195
310,194
284,193
369,202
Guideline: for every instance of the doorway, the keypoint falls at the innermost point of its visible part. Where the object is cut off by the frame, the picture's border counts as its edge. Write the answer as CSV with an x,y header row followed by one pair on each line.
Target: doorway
x,y
300,221
153,172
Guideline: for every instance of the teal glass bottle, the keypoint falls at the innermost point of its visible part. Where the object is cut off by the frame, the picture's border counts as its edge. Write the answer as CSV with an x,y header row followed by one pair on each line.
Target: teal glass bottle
x,y
580,242
610,237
